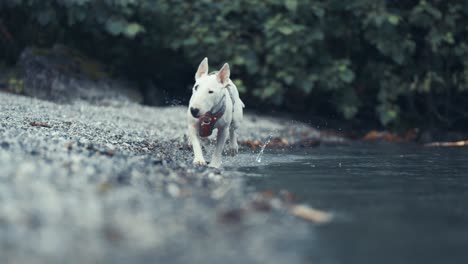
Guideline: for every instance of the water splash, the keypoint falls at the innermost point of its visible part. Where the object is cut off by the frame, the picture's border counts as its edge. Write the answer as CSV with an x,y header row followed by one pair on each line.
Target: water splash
x,y
259,156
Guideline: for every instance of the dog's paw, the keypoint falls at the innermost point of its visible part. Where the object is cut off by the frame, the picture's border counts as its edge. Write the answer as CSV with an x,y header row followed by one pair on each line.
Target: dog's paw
x,y
199,162
233,150
215,164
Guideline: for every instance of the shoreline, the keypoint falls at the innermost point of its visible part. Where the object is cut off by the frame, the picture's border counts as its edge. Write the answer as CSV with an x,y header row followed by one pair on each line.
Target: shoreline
x,y
96,183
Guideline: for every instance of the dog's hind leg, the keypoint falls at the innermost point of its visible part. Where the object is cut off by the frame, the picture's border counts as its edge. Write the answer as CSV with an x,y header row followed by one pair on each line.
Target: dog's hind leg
x,y
220,141
233,147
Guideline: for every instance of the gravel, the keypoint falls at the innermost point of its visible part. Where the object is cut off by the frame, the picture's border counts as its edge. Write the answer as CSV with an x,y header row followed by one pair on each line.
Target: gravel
x,y
82,183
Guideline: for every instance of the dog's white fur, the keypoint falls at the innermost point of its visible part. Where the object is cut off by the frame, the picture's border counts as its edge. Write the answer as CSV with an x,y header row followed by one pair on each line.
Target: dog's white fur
x,y
218,84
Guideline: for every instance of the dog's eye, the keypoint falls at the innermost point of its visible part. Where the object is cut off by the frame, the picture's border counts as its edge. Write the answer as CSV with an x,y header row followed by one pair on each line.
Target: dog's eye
x,y
196,87
210,92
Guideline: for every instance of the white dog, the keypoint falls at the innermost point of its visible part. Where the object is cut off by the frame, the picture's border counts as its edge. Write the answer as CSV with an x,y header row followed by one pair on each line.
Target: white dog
x,y
215,103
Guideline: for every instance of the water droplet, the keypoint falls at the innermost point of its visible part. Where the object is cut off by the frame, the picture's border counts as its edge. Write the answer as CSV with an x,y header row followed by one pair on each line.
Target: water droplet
x,y
259,156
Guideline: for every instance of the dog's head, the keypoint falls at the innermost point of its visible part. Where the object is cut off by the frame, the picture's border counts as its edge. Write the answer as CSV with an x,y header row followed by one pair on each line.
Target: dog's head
x,y
208,89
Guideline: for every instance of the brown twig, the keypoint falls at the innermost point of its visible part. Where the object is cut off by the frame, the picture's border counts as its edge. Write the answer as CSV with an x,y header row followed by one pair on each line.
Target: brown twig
x,y
36,124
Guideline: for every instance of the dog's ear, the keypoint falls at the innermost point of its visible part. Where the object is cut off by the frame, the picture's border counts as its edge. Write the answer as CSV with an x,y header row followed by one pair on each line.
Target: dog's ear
x,y
223,74
202,68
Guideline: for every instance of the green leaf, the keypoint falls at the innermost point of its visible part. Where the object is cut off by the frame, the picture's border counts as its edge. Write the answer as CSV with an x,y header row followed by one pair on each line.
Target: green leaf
x,y
288,79
291,5
347,76
190,41
349,111
132,29
114,26
393,19
307,86
285,30
240,85
387,114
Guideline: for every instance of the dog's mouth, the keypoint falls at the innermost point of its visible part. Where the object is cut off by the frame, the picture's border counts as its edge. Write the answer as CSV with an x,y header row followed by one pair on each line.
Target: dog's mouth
x,y
197,116
205,120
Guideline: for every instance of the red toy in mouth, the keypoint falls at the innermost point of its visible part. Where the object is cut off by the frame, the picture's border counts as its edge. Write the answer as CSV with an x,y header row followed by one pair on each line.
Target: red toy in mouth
x,y
206,124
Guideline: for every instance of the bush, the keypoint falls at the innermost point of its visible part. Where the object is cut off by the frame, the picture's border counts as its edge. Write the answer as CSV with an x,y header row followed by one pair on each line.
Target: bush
x,y
399,63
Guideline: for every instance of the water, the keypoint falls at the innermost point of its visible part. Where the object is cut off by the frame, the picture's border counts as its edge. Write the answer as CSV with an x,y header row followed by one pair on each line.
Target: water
x,y
262,149
393,203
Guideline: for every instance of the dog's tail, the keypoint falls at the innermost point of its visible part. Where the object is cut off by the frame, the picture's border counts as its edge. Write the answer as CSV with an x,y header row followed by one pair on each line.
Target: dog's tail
x,y
242,103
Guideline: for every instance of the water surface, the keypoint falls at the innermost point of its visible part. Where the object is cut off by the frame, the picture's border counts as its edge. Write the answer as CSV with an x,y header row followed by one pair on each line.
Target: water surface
x,y
394,203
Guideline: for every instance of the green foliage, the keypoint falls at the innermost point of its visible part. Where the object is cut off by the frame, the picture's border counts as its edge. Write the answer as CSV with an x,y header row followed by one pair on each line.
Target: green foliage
x,y
404,60
111,17
395,62
15,85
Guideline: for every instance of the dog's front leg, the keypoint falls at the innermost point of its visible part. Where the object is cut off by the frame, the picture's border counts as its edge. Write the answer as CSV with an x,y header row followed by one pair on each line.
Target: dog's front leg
x,y
197,150
220,141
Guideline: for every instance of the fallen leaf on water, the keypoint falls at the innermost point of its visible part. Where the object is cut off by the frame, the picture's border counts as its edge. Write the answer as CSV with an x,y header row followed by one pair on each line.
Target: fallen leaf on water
x,y
310,214
381,135
268,194
462,143
279,142
387,136
253,144
276,142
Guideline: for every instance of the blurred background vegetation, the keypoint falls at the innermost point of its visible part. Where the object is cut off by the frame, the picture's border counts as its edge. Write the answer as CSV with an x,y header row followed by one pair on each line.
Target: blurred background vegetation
x,y
398,64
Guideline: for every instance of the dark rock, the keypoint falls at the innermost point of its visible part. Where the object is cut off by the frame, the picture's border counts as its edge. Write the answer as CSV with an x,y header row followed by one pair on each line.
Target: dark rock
x,y
112,234
308,142
64,75
123,178
233,216
261,205
5,145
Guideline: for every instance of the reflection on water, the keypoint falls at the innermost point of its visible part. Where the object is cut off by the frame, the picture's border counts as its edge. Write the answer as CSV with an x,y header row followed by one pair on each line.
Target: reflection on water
x,y
395,203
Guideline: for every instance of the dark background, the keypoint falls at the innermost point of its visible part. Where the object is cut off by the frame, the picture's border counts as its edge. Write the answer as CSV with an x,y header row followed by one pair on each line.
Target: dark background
x,y
397,64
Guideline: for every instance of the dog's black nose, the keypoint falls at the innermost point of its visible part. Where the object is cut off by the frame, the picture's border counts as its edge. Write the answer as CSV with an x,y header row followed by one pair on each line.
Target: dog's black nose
x,y
194,111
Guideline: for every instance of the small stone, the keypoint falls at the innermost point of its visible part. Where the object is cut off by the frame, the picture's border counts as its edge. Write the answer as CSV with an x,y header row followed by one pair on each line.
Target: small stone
x,y
103,187
69,146
5,145
261,205
109,153
173,190
233,216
